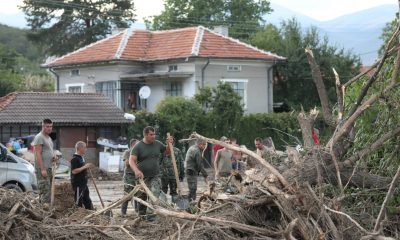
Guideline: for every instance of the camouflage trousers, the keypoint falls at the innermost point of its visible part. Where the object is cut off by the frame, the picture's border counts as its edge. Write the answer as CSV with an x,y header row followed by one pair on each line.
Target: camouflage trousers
x,y
154,184
129,184
191,177
171,182
44,184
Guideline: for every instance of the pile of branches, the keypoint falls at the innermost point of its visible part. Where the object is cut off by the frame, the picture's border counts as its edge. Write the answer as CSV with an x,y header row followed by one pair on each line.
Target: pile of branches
x,y
23,217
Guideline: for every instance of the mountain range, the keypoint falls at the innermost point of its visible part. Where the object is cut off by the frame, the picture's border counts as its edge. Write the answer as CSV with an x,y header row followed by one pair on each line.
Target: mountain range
x,y
359,31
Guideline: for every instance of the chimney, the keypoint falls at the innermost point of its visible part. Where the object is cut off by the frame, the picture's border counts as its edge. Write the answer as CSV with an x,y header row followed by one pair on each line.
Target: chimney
x,y
223,30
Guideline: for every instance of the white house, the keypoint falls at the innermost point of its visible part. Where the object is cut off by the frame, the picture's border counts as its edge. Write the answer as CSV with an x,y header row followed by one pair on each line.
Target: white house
x,y
172,63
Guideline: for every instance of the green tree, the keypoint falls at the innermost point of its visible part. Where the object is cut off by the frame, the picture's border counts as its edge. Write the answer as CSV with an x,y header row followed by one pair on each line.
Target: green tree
x,y
224,109
16,38
65,25
293,80
243,17
10,78
179,116
382,117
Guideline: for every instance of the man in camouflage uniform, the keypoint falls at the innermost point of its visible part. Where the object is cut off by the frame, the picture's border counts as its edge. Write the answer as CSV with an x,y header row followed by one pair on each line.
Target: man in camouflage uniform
x,y
167,171
194,165
129,176
145,162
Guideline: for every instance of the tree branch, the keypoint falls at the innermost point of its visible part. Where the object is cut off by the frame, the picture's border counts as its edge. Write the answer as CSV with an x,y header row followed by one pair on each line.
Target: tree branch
x,y
346,127
319,83
351,220
389,195
371,148
372,79
339,94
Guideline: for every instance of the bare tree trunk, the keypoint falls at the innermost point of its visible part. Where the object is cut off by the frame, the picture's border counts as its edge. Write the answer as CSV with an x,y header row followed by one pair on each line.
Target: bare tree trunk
x,y
306,125
319,83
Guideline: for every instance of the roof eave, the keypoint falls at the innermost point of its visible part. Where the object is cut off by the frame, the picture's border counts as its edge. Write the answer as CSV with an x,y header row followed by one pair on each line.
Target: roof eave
x,y
88,64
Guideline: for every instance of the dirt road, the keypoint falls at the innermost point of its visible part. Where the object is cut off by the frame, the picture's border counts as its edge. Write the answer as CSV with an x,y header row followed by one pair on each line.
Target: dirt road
x,y
113,190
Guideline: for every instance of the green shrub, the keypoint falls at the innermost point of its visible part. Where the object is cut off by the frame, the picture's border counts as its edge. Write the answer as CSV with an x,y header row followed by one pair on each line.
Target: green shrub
x,y
179,116
143,119
283,128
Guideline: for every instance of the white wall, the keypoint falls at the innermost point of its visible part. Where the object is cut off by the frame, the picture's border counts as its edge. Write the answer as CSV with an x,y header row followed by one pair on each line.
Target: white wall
x,y
259,94
89,75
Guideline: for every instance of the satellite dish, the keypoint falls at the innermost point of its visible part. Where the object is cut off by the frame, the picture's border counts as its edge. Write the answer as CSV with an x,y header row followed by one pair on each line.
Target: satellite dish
x,y
144,92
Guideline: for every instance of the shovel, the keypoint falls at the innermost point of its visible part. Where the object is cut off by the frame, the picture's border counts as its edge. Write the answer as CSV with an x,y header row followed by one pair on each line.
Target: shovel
x,y
108,213
181,202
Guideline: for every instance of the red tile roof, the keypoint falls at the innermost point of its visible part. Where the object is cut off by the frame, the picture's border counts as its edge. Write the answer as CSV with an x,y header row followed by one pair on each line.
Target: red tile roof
x,y
367,69
90,109
143,45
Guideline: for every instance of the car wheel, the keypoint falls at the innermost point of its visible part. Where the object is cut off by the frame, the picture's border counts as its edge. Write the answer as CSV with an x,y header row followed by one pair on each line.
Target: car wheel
x,y
13,186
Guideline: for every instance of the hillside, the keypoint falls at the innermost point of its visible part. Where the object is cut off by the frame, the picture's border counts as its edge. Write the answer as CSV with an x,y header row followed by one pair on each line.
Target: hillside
x,y
15,38
359,31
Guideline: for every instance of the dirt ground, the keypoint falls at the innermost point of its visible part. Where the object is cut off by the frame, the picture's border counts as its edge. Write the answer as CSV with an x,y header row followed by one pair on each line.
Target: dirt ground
x,y
111,190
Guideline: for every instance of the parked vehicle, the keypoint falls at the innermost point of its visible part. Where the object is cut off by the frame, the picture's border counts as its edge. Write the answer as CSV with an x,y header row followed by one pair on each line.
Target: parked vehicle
x,y
16,173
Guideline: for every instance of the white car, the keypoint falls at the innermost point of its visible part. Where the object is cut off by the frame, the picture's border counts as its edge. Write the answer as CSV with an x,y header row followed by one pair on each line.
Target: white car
x,y
16,173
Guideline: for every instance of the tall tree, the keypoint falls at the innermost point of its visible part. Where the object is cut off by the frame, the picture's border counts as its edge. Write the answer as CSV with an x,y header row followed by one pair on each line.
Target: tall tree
x,y
224,107
243,17
293,80
65,25
10,79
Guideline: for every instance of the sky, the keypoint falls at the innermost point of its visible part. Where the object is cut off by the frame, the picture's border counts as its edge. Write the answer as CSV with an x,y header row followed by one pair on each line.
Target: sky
x,y
318,9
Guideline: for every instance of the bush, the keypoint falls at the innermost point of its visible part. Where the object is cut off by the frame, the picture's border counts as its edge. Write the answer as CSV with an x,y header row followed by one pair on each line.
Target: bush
x,y
179,116
283,128
143,119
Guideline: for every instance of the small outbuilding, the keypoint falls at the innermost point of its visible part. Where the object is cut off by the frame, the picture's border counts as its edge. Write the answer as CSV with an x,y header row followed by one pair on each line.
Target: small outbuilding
x,y
76,117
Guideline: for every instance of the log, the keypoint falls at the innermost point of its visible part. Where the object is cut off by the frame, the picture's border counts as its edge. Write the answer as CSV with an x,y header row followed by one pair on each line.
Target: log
x,y
11,215
306,124
221,222
308,172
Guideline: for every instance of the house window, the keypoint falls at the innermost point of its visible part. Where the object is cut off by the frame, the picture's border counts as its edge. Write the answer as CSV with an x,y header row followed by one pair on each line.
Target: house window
x,y
107,89
240,87
234,68
174,89
172,68
74,88
75,72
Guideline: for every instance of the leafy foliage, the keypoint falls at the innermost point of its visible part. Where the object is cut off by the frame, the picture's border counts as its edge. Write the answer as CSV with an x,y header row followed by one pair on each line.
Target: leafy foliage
x,y
19,63
63,26
243,17
294,76
180,116
224,107
16,39
143,119
378,120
